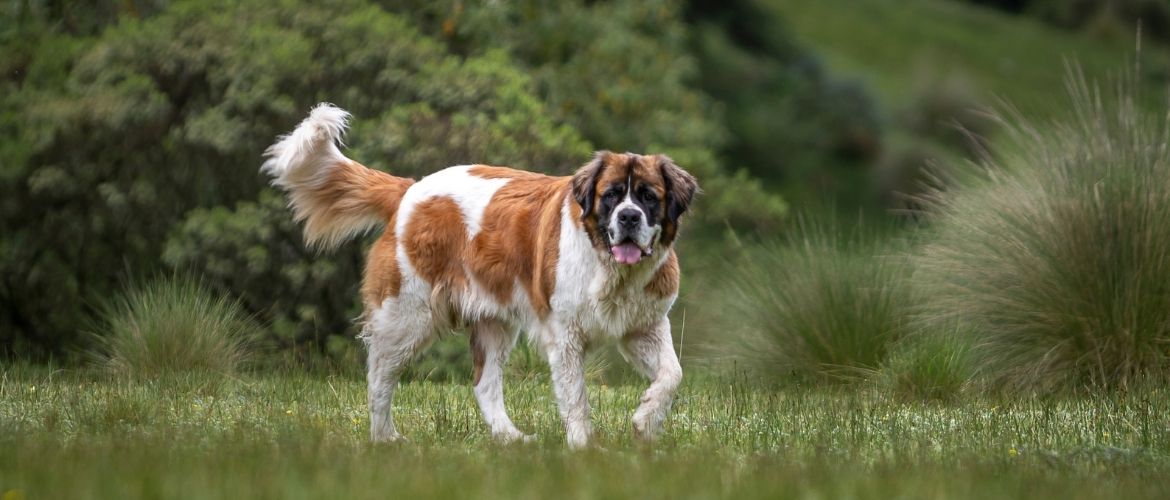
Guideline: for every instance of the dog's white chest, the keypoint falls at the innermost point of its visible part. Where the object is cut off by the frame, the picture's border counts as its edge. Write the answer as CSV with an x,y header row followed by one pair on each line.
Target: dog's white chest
x,y
600,299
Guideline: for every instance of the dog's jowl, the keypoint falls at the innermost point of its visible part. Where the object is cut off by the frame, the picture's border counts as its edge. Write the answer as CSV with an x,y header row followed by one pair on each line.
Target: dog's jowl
x,y
496,251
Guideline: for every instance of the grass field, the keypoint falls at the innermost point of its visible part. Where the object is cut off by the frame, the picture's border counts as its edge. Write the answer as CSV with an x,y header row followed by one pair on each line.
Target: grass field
x,y
78,434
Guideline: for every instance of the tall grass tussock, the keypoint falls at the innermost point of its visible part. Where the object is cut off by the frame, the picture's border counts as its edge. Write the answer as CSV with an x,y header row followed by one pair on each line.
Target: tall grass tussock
x,y
821,306
928,365
1057,261
173,325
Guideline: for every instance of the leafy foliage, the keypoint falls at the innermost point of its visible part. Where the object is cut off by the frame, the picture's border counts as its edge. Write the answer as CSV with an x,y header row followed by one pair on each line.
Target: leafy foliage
x,y
423,109
256,252
792,124
621,72
1100,16
137,134
170,113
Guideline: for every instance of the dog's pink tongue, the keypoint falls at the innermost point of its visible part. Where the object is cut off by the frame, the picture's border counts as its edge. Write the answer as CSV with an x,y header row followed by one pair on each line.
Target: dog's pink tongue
x,y
627,253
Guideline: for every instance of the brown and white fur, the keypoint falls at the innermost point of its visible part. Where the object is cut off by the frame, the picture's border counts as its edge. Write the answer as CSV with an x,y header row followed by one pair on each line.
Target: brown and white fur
x,y
568,260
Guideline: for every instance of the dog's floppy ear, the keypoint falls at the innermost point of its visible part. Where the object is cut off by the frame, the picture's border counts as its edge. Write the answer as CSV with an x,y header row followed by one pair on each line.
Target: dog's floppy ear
x,y
584,183
680,188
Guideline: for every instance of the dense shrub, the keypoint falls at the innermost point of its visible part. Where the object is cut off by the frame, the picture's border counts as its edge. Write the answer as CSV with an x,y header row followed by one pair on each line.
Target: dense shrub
x,y
136,133
947,109
256,252
909,167
943,122
1101,16
793,123
172,326
622,73
117,138
444,111
1058,263
823,306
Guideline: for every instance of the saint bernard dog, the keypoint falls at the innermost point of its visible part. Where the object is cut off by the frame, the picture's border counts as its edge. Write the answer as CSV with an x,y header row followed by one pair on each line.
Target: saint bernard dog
x,y
493,250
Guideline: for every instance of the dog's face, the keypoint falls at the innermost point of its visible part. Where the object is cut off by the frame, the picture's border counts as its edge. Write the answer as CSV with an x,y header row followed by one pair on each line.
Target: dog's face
x,y
631,204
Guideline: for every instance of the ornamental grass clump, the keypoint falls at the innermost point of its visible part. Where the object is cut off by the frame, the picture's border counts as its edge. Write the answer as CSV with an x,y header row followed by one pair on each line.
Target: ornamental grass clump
x,y
823,306
173,325
929,365
1057,261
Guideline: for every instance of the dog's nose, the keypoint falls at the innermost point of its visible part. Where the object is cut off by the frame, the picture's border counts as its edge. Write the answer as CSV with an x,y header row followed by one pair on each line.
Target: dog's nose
x,y
629,218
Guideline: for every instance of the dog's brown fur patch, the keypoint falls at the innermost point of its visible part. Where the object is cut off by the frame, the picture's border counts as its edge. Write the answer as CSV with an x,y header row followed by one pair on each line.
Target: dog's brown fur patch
x,y
436,241
666,278
383,277
520,236
478,358
493,172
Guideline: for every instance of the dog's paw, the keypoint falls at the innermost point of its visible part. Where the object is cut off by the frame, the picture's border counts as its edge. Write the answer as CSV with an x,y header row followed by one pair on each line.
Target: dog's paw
x,y
390,438
646,427
642,431
513,436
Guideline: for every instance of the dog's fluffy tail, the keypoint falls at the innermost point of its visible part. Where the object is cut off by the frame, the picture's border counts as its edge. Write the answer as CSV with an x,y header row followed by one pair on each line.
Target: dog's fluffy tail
x,y
336,197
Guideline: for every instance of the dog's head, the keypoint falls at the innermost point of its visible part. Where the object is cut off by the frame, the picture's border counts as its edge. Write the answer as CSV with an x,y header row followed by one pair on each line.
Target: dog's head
x,y
631,203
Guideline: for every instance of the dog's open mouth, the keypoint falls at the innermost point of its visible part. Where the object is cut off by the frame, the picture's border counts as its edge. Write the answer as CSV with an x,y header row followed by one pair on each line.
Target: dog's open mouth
x,y
628,252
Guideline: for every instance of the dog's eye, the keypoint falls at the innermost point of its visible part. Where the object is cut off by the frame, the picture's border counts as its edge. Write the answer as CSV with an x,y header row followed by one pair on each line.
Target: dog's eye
x,y
648,196
610,195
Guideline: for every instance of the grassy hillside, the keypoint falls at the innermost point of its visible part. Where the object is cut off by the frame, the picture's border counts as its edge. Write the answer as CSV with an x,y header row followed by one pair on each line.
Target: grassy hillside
x,y
890,43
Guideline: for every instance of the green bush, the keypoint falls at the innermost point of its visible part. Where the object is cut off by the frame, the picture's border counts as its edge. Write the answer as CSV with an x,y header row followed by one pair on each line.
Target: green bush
x,y
1057,263
256,252
136,130
948,110
175,325
623,74
792,123
118,137
908,169
823,306
1102,17
416,109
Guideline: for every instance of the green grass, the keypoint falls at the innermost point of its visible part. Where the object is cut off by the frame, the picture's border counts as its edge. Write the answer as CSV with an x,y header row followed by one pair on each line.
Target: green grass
x,y
890,43
76,434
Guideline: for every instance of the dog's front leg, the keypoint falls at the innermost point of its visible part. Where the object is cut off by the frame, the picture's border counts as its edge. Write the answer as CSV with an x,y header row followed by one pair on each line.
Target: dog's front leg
x,y
566,359
652,353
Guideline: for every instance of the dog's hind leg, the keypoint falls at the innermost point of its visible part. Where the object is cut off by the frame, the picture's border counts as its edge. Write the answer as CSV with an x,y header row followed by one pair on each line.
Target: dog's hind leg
x,y
491,342
652,353
394,334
